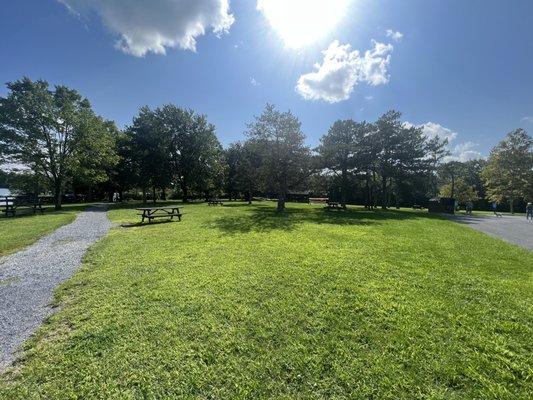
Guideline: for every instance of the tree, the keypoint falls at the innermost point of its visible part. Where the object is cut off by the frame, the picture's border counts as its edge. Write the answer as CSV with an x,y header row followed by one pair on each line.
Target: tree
x,y
340,151
51,131
150,152
196,157
508,174
451,171
401,151
436,151
280,141
462,191
244,162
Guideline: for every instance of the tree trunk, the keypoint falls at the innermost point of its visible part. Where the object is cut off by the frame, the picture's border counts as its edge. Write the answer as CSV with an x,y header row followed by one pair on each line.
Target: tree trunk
x,y
153,194
250,192
344,178
453,186
185,192
511,205
281,202
57,194
384,193
144,195
163,194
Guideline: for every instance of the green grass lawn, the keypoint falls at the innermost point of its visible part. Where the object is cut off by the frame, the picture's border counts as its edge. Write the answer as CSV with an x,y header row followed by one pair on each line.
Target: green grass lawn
x,y
239,302
25,228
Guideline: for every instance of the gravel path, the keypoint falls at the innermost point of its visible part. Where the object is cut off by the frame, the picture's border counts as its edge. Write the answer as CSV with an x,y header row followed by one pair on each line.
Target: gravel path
x,y
29,277
511,228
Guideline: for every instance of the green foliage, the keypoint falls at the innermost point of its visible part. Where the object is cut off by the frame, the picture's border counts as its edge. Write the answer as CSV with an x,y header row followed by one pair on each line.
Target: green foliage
x,y
342,151
508,174
242,302
243,162
54,132
461,191
285,158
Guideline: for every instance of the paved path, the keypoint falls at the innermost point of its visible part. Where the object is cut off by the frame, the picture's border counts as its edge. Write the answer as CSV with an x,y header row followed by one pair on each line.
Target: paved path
x,y
511,228
29,277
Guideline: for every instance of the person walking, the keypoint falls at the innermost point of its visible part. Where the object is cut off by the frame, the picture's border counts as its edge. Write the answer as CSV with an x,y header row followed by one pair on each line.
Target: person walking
x,y
494,206
529,211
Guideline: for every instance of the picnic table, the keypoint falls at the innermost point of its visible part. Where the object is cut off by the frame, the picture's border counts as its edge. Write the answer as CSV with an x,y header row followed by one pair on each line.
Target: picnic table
x,y
214,202
333,205
10,204
150,213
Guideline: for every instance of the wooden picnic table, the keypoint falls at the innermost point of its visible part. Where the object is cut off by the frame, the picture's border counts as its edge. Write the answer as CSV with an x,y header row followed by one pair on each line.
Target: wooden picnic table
x,y
10,204
214,202
150,213
333,205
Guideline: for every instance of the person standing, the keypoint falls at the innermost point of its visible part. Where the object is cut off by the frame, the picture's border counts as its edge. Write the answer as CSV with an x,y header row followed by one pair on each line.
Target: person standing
x,y
529,211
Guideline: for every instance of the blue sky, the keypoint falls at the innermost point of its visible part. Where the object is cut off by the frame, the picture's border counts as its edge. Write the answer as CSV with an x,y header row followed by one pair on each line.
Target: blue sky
x,y
463,68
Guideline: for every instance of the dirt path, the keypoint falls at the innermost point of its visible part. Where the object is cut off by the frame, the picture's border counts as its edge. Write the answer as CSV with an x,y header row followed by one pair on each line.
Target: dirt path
x,y
29,277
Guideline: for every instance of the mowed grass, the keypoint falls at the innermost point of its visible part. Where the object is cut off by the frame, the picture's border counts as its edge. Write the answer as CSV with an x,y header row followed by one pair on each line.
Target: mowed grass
x,y
239,302
25,228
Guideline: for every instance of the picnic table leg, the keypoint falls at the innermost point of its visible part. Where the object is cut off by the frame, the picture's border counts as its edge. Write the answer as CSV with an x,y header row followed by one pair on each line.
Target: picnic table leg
x,y
142,221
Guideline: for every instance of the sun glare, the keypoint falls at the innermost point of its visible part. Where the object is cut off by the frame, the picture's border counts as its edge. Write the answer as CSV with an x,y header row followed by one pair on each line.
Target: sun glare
x,y
302,22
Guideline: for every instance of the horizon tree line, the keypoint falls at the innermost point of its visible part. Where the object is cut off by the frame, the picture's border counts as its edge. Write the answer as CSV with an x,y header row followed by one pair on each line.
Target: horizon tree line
x,y
55,133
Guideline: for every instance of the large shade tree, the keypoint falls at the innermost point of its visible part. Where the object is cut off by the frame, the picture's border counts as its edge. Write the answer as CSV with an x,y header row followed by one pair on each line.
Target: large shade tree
x,y
285,158
342,152
196,156
401,152
54,132
508,175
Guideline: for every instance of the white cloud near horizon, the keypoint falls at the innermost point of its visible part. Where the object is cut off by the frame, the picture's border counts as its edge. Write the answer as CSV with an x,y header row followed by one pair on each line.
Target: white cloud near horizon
x,y
464,151
394,35
527,119
342,69
155,26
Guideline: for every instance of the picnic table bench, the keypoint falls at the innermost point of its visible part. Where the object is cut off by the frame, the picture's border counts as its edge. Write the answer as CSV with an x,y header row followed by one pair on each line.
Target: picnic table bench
x,y
10,204
318,200
150,213
214,202
333,205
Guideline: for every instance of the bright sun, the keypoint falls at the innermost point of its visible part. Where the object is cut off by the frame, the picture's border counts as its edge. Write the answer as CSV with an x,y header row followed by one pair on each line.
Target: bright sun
x,y
302,22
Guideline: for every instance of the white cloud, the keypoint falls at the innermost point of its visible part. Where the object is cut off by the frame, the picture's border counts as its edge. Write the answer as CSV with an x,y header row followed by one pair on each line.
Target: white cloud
x,y
432,129
394,35
527,119
342,69
369,97
254,82
153,26
464,151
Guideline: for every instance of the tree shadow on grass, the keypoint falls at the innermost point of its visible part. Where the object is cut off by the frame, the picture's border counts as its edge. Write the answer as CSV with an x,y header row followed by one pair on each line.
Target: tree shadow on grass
x,y
264,218
138,224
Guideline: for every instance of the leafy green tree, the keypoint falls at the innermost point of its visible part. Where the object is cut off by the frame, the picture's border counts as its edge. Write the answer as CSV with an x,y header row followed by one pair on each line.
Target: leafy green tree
x,y
150,152
280,141
341,152
401,152
51,131
449,173
462,191
508,174
244,162
196,156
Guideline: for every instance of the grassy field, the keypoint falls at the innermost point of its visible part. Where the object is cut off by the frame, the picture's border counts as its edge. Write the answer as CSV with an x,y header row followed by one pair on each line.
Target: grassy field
x,y
239,302
24,229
